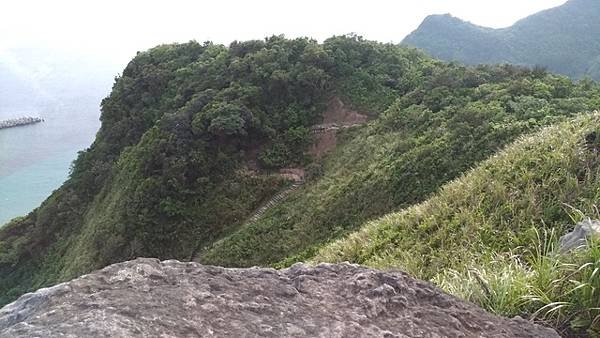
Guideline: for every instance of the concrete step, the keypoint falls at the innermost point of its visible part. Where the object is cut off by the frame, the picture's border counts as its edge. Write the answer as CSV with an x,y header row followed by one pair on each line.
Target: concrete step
x,y
274,201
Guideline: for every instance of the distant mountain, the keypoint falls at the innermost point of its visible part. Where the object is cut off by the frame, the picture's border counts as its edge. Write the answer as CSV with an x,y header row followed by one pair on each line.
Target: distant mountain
x,y
564,39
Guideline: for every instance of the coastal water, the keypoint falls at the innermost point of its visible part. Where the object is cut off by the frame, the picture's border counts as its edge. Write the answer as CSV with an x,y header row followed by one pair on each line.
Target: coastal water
x,y
35,159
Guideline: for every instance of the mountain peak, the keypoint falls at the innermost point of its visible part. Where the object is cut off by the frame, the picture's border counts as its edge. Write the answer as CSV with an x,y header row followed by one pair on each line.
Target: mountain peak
x,y
561,38
445,18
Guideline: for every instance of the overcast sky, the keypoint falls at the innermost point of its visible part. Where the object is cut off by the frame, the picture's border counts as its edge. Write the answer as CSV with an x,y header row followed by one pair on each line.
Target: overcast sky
x,y
120,28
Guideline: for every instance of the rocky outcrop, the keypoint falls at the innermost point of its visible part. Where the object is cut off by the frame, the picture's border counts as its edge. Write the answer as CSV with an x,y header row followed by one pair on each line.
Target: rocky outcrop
x,y
336,117
149,298
340,114
580,235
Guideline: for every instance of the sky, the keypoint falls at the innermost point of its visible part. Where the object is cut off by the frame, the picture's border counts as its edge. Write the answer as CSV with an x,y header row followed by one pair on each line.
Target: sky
x,y
117,29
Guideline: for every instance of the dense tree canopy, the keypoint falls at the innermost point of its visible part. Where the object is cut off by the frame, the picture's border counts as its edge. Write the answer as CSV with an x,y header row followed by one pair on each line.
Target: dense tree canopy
x,y
163,175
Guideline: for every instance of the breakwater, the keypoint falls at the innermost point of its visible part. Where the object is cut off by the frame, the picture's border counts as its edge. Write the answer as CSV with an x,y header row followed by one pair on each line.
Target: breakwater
x,y
20,121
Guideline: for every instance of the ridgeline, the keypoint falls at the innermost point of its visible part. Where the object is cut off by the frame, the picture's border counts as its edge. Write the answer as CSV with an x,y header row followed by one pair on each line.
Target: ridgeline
x,y
561,39
191,134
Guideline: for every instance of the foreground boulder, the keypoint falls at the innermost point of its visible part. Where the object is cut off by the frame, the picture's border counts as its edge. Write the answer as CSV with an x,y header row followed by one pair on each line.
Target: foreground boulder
x,y
581,234
146,297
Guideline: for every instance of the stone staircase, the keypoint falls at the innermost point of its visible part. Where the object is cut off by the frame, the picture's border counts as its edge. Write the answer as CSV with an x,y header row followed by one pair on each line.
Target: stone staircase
x,y
325,127
291,174
274,201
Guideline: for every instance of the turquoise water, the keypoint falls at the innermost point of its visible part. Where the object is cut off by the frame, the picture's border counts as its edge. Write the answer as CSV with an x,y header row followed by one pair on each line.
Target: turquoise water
x,y
35,159
25,189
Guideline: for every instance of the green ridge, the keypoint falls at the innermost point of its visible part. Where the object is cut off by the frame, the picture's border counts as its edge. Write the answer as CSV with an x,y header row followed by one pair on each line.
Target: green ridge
x,y
169,173
474,237
166,174
455,118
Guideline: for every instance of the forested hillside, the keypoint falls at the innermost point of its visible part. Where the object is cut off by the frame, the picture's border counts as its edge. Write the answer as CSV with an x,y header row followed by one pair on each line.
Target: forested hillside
x,y
456,117
193,136
166,172
563,39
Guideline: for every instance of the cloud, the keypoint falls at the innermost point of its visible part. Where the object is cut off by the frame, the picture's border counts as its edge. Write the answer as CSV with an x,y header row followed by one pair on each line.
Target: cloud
x,y
123,27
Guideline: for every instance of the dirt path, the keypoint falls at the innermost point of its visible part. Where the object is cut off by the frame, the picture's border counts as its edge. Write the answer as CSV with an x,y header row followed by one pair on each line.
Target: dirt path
x,y
337,116
293,174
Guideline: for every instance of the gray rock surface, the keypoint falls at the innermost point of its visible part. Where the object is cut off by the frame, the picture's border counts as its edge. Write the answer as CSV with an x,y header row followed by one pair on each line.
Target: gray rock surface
x,y
149,298
582,232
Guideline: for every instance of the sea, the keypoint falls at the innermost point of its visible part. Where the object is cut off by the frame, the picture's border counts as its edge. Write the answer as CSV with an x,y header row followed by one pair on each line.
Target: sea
x,y
36,159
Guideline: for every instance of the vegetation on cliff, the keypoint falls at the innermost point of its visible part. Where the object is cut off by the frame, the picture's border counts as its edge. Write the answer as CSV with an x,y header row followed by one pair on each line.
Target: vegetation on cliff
x,y
455,118
166,172
191,132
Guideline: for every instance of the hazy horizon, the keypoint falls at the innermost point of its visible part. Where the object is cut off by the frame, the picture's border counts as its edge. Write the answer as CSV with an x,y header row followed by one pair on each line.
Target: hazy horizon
x,y
117,30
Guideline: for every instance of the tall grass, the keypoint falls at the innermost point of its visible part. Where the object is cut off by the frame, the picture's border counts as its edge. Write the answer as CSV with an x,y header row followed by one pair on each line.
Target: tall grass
x,y
562,291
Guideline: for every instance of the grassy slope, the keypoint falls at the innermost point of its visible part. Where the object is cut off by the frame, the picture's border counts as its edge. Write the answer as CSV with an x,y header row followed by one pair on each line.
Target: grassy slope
x,y
466,234
529,183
